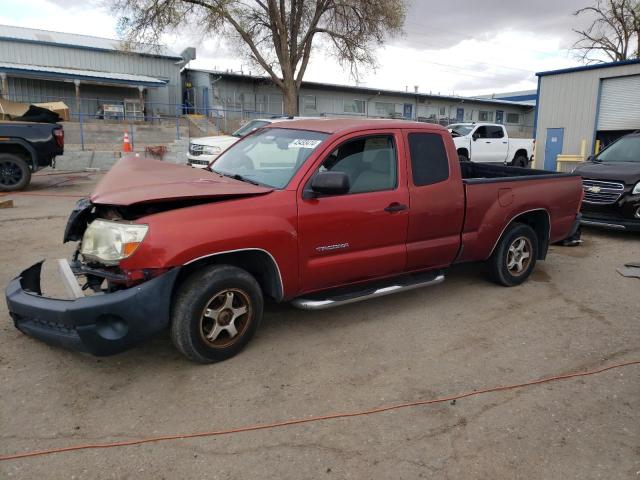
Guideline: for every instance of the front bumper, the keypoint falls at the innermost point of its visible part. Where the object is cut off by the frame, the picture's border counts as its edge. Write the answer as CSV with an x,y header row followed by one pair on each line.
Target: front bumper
x,y
610,222
200,161
620,215
102,324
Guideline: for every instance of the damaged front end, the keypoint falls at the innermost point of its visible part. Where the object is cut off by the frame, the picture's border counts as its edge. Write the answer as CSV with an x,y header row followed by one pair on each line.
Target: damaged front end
x,y
113,309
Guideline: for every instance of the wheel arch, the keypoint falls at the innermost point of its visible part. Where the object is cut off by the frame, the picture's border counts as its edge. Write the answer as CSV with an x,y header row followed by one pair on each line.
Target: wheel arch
x,y
463,151
539,220
522,152
258,262
21,149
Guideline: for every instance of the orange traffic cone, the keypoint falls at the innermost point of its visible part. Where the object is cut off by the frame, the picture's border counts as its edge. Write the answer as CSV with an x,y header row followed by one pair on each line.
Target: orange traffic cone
x,y
126,145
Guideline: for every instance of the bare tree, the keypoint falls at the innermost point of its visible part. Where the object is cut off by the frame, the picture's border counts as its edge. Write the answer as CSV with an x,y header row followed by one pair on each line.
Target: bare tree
x,y
277,35
614,33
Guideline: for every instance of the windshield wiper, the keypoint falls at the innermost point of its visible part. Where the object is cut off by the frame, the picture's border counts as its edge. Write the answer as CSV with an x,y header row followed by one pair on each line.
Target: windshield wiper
x,y
237,176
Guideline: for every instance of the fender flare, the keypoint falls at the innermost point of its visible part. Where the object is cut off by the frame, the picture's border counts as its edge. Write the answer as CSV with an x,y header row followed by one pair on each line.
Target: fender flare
x,y
24,144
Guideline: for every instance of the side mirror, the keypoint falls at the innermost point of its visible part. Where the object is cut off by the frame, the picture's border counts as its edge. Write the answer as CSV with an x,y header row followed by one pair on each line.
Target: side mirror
x,y
475,137
330,183
590,158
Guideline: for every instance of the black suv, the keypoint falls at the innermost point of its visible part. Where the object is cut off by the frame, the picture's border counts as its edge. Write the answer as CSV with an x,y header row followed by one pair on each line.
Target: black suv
x,y
611,183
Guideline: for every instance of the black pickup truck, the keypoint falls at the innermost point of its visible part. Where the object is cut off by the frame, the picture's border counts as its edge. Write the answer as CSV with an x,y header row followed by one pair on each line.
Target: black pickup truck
x,y
26,147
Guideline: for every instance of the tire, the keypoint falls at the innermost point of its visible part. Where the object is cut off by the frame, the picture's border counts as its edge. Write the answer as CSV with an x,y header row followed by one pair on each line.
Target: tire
x,y
520,161
15,173
517,238
207,290
463,158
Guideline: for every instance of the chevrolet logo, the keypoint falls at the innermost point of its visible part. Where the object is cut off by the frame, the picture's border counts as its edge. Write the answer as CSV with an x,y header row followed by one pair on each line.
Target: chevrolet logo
x,y
593,189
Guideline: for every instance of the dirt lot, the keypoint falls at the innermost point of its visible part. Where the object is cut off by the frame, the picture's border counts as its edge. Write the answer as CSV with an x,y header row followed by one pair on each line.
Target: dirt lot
x,y
576,313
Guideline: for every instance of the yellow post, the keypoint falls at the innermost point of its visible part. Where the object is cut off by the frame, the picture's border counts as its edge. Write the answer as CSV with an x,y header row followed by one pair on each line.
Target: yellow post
x,y
583,148
597,147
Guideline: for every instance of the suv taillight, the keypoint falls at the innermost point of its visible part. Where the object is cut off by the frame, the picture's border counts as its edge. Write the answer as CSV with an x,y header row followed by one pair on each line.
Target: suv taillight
x,y
59,134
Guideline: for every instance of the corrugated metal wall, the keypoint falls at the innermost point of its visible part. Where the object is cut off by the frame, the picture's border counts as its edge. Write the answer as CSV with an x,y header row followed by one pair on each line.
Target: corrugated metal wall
x,y
119,62
570,101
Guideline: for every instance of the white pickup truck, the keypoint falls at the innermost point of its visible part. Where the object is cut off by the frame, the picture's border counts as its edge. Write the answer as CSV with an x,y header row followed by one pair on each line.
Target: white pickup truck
x,y
204,150
490,143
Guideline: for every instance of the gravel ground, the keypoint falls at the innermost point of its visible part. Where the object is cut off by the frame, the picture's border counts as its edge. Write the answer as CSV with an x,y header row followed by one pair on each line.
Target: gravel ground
x,y
575,313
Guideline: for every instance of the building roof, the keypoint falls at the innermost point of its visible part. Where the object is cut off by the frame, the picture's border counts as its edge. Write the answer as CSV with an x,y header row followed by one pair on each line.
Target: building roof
x,y
87,42
83,75
369,90
589,67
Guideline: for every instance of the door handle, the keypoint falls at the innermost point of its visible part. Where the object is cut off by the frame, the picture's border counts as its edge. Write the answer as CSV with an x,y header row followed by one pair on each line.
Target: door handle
x,y
395,207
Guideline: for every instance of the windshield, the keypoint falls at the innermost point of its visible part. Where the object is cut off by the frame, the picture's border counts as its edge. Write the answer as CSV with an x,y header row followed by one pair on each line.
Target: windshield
x,y
247,128
627,149
461,130
270,157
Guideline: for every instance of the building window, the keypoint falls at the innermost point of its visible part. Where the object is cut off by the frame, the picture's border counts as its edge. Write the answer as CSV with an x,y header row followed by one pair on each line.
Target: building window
x,y
443,111
385,109
468,115
354,106
513,118
309,103
484,116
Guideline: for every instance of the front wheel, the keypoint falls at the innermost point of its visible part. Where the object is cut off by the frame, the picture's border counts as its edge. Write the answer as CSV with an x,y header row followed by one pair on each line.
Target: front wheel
x,y
216,312
515,255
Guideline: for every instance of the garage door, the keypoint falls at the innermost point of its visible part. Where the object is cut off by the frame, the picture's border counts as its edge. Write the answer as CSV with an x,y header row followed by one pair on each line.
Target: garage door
x,y
620,103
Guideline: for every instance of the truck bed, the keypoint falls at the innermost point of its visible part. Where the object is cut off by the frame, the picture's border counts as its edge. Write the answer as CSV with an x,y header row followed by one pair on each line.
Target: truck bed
x,y
496,194
473,173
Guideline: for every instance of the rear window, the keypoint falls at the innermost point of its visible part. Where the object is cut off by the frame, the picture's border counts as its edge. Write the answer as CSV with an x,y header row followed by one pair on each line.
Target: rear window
x,y
429,162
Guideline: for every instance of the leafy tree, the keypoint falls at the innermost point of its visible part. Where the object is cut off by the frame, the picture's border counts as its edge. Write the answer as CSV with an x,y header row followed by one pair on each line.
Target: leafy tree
x,y
277,35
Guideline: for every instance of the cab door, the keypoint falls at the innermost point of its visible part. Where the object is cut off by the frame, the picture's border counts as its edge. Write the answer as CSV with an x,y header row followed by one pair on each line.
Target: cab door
x,y
437,202
359,235
489,144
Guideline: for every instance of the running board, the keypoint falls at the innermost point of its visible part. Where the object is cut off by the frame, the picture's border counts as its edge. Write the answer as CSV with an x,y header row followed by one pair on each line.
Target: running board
x,y
337,298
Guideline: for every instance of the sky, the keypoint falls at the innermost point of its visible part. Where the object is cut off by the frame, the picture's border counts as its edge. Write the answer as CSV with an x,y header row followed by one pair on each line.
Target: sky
x,y
462,47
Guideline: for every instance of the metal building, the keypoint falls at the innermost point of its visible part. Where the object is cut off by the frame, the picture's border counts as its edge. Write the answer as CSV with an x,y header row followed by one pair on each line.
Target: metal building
x,y
236,94
584,108
90,74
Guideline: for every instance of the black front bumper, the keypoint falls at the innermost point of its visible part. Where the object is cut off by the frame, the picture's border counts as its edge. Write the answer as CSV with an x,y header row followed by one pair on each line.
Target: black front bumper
x,y
620,215
611,223
102,324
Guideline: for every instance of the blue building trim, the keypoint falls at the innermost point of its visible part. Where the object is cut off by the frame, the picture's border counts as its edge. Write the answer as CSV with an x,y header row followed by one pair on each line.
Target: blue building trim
x,y
589,67
520,98
88,78
84,47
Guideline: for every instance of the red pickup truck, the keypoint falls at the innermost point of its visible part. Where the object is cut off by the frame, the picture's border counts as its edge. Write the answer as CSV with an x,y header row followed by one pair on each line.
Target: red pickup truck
x,y
320,212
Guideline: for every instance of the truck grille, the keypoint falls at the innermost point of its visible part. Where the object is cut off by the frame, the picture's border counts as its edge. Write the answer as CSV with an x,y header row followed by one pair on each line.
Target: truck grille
x,y
602,193
195,150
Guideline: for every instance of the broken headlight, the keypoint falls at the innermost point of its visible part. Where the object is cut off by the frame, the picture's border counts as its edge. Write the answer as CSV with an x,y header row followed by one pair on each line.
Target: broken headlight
x,y
109,242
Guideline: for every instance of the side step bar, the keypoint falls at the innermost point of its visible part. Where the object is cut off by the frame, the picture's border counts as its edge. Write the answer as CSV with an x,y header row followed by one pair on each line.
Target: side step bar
x,y
344,296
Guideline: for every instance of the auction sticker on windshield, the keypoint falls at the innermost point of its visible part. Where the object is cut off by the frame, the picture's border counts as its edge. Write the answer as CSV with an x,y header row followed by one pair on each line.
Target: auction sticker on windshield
x,y
304,143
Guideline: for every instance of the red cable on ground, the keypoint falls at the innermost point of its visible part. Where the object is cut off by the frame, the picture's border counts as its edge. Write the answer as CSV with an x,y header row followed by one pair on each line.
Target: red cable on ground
x,y
287,423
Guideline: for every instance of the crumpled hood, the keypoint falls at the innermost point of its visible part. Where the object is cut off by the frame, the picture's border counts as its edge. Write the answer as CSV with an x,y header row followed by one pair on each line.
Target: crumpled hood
x,y
135,180
627,172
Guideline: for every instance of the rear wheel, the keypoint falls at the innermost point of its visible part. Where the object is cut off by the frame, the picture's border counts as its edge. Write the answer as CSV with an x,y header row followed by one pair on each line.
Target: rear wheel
x,y
216,312
15,173
520,161
515,256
